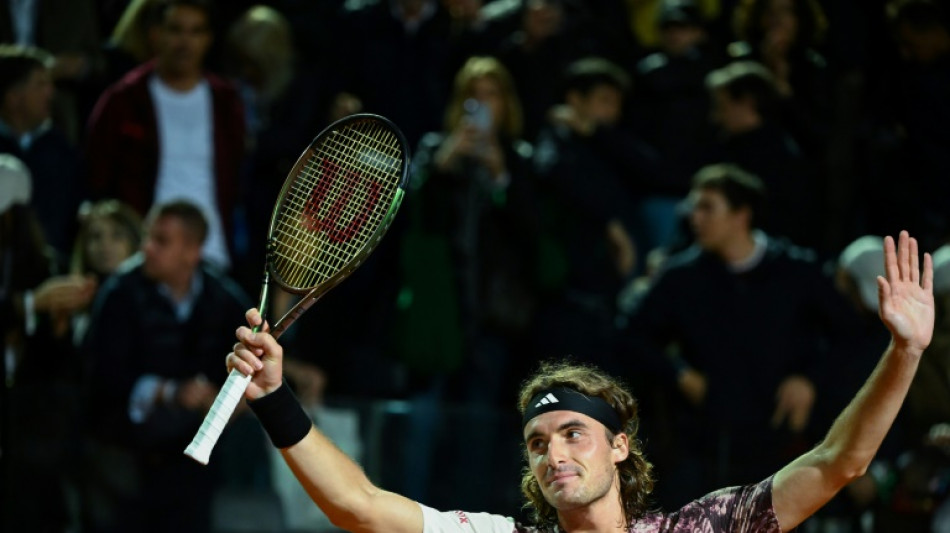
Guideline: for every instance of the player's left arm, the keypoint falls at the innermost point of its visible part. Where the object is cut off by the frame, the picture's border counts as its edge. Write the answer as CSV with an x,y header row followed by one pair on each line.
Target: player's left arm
x,y
907,309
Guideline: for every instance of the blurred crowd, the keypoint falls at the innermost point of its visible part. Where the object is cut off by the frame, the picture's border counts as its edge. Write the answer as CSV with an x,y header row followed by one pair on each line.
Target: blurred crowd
x,y
690,194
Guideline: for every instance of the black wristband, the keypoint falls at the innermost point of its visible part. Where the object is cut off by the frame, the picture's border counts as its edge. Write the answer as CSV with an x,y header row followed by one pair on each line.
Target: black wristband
x,y
284,420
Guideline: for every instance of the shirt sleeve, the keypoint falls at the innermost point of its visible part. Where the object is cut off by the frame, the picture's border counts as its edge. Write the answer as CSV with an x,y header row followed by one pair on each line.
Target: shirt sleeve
x,y
746,509
459,521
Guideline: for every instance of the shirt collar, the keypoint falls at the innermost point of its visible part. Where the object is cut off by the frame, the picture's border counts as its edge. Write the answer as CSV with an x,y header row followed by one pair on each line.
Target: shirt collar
x,y
186,305
25,140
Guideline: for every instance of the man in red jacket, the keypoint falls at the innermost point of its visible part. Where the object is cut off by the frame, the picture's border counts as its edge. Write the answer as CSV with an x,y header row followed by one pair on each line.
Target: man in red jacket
x,y
168,130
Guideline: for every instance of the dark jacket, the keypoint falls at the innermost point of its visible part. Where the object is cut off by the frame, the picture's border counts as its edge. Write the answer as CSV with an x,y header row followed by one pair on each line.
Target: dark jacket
x,y
133,331
745,331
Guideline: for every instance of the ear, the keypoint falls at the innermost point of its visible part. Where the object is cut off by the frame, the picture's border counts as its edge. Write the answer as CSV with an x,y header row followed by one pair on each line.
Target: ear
x,y
620,448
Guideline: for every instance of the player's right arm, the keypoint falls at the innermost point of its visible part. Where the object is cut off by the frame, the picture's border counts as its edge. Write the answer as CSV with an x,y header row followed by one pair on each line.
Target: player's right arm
x,y
334,481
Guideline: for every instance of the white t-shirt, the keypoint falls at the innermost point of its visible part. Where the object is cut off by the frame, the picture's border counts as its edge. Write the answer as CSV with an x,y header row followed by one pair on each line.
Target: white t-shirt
x,y
186,157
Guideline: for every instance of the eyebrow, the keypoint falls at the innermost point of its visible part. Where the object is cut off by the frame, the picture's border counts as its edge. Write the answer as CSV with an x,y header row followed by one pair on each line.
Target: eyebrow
x,y
566,425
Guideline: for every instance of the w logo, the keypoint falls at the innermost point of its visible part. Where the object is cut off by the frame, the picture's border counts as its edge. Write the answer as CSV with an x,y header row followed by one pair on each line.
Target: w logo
x,y
339,231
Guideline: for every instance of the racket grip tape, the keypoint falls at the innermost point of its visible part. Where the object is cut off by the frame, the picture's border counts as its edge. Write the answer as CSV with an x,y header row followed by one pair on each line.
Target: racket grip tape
x,y
282,416
217,417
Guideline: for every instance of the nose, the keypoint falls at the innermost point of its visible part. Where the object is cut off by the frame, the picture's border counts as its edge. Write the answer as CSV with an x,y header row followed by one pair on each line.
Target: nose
x,y
557,453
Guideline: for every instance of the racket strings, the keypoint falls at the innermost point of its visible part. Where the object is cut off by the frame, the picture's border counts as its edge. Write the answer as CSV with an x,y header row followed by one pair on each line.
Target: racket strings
x,y
336,203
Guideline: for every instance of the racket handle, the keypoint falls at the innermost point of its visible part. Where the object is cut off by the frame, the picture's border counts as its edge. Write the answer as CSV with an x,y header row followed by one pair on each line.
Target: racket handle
x,y
217,417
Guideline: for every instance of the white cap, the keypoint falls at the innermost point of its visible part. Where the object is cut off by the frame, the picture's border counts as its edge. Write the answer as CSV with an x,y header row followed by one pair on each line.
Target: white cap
x,y
16,182
863,260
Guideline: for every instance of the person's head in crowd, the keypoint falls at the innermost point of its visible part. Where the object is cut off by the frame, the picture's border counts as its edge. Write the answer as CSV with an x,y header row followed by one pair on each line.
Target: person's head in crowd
x,y
859,265
603,415
109,233
727,204
486,81
541,20
26,87
175,233
594,89
743,96
132,31
20,230
782,24
261,47
182,37
921,29
682,26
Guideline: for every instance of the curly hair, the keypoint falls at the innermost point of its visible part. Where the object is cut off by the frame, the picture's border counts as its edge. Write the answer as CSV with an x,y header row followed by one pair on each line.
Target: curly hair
x,y
635,472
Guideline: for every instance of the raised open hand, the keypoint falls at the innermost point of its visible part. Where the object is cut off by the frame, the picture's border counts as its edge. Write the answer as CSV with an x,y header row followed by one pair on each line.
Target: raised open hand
x,y
906,297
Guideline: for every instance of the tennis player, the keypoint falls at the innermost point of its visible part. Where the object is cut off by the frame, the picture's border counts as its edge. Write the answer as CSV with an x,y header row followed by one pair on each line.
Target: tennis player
x,y
585,469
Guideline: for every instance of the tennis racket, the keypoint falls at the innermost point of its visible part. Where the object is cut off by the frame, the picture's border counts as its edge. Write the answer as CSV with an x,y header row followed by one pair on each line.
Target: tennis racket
x,y
334,208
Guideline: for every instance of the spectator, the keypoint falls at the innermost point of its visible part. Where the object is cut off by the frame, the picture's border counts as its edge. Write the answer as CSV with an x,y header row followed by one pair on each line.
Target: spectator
x,y
783,35
588,170
131,42
728,324
753,138
69,30
109,233
170,130
404,71
476,192
41,373
26,132
282,109
670,108
922,81
549,35
153,330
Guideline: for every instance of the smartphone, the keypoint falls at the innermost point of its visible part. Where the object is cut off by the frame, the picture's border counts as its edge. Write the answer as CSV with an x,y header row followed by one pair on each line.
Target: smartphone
x,y
478,114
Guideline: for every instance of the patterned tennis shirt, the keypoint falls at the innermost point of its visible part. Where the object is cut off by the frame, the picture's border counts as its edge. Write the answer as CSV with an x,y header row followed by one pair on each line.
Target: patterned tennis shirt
x,y
744,509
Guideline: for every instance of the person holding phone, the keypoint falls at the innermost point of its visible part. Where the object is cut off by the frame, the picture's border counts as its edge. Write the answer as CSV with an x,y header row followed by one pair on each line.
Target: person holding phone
x,y
471,214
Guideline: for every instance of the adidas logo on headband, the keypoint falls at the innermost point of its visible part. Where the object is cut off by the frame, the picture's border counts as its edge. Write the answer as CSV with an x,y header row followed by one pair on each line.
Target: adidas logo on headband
x,y
550,398
568,399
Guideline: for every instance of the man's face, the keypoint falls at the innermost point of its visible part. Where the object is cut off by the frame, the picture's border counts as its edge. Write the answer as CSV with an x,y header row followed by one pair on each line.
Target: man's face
x,y
603,104
714,221
572,459
183,39
32,99
727,112
678,39
170,253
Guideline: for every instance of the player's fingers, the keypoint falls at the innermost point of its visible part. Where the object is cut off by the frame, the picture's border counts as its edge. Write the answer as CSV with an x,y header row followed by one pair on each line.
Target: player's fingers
x,y
903,255
260,342
914,261
234,361
253,317
927,280
890,259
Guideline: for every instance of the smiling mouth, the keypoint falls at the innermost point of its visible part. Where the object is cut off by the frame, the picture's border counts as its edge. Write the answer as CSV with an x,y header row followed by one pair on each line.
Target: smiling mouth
x,y
561,477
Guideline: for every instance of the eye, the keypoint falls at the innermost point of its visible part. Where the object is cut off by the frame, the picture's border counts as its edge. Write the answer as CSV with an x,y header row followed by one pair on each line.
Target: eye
x,y
536,445
574,433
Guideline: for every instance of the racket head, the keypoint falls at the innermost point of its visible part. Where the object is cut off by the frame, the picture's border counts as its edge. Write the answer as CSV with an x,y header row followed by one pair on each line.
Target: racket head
x,y
336,203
